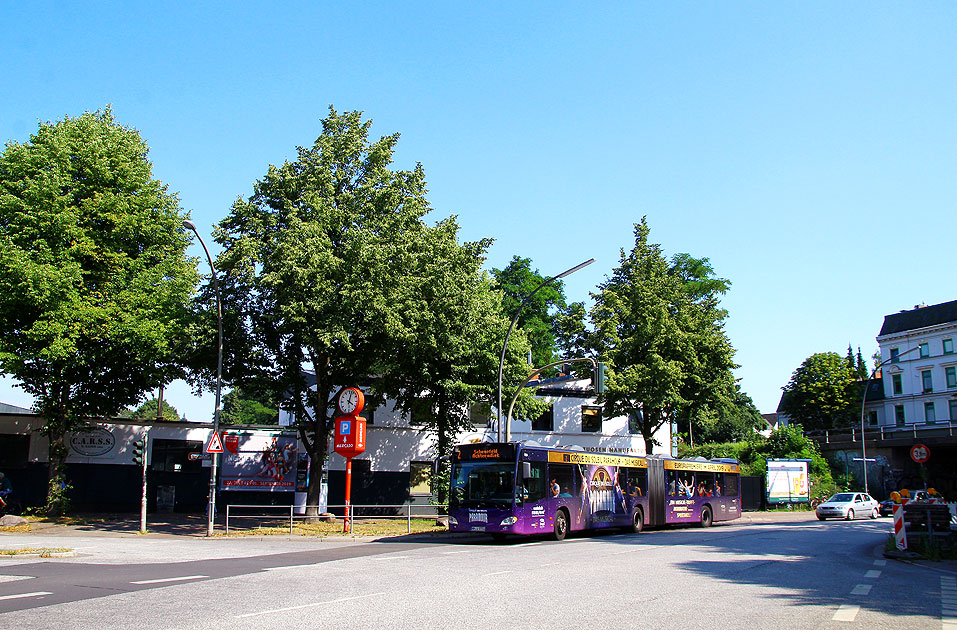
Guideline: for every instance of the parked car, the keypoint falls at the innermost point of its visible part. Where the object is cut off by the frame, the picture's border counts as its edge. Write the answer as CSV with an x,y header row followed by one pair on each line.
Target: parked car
x,y
848,506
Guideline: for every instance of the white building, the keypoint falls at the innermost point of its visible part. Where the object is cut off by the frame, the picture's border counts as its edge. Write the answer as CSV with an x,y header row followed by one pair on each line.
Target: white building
x,y
920,374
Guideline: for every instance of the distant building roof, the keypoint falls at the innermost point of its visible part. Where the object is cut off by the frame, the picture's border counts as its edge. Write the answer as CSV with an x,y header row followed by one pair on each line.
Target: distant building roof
x,y
6,408
920,317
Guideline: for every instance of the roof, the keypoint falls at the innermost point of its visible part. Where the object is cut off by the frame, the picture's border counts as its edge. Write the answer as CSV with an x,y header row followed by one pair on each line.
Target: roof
x,y
921,317
8,408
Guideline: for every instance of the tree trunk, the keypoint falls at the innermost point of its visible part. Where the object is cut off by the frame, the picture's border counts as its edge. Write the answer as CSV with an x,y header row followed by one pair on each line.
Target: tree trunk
x,y
57,501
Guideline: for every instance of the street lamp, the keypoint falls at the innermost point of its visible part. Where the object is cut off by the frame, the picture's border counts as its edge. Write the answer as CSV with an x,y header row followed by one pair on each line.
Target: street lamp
x,y
211,510
864,402
501,361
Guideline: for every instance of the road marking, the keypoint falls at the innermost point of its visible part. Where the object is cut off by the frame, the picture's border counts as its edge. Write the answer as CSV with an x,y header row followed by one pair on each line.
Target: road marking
x,y
496,573
291,566
873,573
846,613
312,605
449,553
36,594
14,578
880,563
391,558
172,579
862,589
948,603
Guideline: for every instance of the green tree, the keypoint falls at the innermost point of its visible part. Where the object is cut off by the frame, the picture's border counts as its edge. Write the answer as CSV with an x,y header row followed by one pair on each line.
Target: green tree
x,y
660,329
820,394
732,420
538,317
330,267
240,407
148,411
94,278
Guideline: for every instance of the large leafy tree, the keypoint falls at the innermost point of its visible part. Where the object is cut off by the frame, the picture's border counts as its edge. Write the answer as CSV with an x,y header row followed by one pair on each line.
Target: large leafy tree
x,y
659,327
241,407
821,393
94,278
330,268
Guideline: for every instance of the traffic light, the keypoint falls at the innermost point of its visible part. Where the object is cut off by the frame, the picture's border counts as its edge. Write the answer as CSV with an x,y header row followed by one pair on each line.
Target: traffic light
x,y
598,378
139,451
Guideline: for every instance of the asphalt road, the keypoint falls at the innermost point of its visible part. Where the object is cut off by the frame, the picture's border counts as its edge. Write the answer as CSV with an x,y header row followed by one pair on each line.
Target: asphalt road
x,y
798,574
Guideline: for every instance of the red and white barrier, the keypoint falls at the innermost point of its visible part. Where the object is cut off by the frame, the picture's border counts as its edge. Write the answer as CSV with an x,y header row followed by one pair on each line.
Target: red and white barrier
x,y
900,534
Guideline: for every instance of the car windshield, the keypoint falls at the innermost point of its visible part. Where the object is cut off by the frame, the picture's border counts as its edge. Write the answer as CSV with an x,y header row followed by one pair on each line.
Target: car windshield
x,y
843,497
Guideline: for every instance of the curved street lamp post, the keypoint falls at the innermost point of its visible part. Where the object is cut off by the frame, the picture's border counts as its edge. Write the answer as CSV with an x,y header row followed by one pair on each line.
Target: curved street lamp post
x,y
501,362
867,384
211,510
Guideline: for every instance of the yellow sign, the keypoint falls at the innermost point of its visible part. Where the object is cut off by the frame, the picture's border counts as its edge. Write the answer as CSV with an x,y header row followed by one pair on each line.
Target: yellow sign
x,y
671,464
577,457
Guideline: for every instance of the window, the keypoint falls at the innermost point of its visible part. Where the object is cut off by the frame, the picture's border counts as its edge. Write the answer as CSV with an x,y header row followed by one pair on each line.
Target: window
x,y
14,451
953,411
173,455
591,419
479,413
924,350
546,421
894,354
368,412
897,384
562,475
899,415
930,414
948,346
421,413
634,423
730,486
420,478
928,381
951,374
533,489
872,418
633,481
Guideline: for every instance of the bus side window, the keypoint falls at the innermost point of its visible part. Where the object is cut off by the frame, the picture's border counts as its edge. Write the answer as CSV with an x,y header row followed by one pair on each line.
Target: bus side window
x,y
730,486
562,475
673,489
639,477
535,484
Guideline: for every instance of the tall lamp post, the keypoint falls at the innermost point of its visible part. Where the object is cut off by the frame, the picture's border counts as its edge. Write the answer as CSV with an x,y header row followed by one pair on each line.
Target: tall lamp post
x,y
501,361
867,384
211,510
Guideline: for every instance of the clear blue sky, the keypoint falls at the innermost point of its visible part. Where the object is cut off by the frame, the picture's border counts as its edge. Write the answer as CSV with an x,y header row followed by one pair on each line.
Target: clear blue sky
x,y
808,149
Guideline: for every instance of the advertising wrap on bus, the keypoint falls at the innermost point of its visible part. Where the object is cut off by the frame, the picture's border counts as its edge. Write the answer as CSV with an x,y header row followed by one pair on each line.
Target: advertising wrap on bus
x,y
511,488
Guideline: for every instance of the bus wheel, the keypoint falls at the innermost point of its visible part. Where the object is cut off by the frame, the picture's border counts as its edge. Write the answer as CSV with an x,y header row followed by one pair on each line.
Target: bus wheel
x,y
638,523
706,517
561,525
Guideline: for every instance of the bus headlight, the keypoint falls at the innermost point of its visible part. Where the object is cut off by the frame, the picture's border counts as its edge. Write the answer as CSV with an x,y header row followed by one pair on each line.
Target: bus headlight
x,y
453,520
511,520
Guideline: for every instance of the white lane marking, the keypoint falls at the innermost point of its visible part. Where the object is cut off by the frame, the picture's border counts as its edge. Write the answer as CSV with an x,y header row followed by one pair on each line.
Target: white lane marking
x,y
861,589
14,578
291,566
948,603
880,563
312,605
449,553
846,613
496,573
873,573
391,558
18,596
172,579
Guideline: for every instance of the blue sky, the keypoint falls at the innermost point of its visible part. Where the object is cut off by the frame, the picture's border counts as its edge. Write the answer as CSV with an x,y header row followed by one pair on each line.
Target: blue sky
x,y
807,149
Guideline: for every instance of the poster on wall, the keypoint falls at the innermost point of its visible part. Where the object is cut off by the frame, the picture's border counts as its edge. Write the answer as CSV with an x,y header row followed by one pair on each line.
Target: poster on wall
x,y
259,461
788,481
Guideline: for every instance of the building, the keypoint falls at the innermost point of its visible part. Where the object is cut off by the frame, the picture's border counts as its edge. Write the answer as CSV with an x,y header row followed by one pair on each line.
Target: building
x,y
919,375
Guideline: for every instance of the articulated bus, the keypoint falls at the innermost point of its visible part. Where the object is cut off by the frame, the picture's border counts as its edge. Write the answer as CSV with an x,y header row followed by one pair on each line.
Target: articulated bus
x,y
515,488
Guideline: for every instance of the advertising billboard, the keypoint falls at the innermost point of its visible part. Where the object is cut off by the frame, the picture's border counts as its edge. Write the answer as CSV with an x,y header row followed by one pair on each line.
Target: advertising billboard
x,y
259,460
788,481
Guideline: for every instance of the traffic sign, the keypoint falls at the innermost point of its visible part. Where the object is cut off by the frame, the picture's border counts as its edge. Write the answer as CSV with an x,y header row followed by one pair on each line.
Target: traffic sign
x,y
193,457
215,444
919,453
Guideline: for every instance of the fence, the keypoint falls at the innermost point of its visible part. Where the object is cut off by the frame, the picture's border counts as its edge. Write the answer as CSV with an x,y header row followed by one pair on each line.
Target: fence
x,y
838,436
381,512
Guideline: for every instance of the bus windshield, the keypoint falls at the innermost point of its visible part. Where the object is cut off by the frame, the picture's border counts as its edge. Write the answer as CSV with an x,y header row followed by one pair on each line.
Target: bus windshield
x,y
483,484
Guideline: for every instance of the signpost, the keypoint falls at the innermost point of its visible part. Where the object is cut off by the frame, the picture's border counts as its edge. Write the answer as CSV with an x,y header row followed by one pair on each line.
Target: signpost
x,y
350,438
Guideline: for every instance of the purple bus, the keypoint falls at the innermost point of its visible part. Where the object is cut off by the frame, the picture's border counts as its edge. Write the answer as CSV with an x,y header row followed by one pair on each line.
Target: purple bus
x,y
513,488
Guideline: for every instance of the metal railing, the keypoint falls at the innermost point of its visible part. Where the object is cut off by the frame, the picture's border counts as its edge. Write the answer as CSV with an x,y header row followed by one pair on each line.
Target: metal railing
x,y
937,429
339,511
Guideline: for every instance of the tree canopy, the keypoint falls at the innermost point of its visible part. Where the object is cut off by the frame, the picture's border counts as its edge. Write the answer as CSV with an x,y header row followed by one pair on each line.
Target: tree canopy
x,y
332,277
821,394
659,327
148,411
94,278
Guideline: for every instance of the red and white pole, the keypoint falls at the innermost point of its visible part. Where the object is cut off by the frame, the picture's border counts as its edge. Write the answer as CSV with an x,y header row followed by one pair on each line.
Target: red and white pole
x,y
900,534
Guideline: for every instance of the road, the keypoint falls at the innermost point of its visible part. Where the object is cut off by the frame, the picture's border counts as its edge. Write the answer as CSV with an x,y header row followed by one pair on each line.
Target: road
x,y
787,575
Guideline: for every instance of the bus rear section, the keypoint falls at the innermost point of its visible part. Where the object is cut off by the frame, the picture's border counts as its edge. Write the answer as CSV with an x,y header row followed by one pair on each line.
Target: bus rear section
x,y
700,491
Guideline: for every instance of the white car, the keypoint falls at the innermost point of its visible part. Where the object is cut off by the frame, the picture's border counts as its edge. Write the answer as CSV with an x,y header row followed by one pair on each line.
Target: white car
x,y
849,505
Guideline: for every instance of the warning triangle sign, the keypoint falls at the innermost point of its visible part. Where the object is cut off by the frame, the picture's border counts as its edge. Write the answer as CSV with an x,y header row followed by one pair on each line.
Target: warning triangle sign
x,y
215,444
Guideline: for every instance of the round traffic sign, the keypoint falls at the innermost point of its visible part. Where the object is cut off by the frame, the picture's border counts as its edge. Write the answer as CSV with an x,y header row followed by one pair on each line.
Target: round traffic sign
x,y
919,453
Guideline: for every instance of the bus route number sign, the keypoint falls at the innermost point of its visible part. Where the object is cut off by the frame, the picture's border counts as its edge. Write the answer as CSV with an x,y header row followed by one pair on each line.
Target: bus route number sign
x,y
919,453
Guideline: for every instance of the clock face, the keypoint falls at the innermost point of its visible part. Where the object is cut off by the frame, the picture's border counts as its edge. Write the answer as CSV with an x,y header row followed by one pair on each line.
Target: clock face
x,y
350,400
